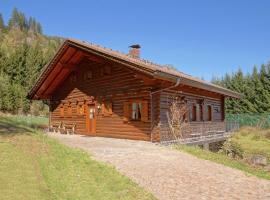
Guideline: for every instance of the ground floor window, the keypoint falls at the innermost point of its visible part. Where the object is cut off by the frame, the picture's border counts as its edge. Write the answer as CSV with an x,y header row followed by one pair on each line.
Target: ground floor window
x,y
136,111
209,113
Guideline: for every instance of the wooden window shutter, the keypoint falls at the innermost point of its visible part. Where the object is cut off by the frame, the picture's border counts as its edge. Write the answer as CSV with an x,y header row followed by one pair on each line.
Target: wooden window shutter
x,y
62,111
110,108
103,108
78,109
198,113
126,111
144,114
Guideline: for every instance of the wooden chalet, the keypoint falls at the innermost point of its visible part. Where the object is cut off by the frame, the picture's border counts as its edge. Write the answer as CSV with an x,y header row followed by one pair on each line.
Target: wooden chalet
x,y
96,91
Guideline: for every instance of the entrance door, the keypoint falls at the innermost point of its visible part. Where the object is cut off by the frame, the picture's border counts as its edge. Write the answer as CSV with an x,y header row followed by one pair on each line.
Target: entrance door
x,y
91,119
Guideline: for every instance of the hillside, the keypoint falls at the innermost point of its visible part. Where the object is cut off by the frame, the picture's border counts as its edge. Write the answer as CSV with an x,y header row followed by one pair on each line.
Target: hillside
x,y
24,50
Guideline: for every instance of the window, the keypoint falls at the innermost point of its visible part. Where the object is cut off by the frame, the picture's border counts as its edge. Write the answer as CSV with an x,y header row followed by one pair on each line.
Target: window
x,y
209,113
106,108
136,110
193,113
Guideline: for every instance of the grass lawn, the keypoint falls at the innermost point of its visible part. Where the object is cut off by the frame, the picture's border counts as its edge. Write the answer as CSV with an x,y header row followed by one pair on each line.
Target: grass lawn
x,y
250,141
33,166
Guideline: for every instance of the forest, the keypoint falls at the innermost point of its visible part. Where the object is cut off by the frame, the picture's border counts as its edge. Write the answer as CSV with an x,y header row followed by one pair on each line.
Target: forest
x,y
254,86
24,51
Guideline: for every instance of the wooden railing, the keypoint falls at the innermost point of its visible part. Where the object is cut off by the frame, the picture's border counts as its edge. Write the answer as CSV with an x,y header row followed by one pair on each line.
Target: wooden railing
x,y
199,131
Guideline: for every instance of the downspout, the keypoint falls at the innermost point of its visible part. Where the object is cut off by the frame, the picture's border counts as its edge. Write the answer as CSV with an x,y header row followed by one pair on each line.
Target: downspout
x,y
178,80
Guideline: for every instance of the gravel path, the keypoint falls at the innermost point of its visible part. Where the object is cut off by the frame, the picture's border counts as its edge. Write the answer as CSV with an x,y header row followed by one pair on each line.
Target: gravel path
x,y
169,174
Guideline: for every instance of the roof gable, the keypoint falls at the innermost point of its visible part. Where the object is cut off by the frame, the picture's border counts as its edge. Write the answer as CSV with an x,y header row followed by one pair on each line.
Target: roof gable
x,y
72,51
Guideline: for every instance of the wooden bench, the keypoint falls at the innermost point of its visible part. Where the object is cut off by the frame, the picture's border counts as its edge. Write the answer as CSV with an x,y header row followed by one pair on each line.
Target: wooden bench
x,y
56,127
69,128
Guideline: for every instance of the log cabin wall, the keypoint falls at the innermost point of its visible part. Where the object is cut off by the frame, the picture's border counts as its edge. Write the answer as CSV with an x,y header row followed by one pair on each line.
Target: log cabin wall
x,y
193,100
156,117
104,82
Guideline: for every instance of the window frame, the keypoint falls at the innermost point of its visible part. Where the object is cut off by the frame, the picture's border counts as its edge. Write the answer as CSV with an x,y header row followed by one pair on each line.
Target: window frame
x,y
128,112
209,113
139,105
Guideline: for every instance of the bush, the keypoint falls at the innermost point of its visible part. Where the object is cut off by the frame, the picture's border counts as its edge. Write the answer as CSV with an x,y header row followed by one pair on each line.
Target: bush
x,y
232,149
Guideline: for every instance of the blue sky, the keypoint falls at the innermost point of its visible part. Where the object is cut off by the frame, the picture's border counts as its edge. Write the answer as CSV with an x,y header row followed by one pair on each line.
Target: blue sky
x,y
202,38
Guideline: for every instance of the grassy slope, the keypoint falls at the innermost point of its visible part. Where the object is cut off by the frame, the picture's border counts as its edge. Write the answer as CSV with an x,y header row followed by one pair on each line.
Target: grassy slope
x,y
254,141
250,140
34,166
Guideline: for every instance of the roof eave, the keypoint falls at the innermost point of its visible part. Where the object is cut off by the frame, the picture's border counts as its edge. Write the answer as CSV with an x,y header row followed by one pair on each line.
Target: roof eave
x,y
212,88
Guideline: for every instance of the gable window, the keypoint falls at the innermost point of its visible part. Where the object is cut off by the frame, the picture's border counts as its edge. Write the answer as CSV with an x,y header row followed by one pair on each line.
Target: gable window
x,y
136,110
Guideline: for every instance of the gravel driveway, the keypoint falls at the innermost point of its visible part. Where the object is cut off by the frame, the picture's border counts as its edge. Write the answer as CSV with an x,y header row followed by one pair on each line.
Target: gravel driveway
x,y
169,174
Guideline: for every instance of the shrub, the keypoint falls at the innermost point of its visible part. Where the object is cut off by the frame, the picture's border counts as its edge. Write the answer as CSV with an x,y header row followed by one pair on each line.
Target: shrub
x,y
232,149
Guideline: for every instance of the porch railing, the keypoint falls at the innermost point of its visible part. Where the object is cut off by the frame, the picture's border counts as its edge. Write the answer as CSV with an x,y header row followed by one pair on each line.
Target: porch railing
x,y
200,131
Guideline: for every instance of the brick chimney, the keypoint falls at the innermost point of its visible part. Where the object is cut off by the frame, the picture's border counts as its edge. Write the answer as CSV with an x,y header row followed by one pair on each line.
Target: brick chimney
x,y
134,51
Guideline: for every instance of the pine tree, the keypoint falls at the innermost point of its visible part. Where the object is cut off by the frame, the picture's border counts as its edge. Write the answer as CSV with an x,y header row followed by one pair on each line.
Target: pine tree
x,y
14,20
265,93
2,24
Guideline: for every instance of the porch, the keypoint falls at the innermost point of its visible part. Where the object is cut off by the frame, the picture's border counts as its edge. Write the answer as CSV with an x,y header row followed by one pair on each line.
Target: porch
x,y
200,133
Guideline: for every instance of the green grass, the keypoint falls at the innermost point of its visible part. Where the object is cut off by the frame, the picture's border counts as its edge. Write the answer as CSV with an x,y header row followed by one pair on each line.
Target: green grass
x,y
253,141
29,121
34,166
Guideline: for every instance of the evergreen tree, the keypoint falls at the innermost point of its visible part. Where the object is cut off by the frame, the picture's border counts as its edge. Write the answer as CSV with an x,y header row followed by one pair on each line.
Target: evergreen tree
x,y
21,64
265,92
2,24
14,20
255,87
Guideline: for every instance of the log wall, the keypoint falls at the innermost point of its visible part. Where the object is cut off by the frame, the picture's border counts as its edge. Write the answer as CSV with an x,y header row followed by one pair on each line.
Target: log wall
x,y
198,126
117,87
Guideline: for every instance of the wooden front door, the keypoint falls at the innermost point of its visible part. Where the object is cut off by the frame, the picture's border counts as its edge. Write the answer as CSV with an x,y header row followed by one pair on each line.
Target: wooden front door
x,y
91,119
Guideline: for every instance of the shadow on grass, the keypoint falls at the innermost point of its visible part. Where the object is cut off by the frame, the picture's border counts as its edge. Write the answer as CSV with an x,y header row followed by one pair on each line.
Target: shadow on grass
x,y
11,128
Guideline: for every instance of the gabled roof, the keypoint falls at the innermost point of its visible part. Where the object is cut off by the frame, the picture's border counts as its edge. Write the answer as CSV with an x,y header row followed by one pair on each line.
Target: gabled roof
x,y
155,70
